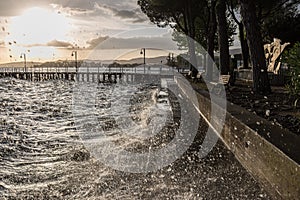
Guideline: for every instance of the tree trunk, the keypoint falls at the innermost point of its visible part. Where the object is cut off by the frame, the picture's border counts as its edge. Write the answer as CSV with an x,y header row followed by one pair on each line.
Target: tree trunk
x,y
244,46
260,75
211,40
223,37
193,60
191,40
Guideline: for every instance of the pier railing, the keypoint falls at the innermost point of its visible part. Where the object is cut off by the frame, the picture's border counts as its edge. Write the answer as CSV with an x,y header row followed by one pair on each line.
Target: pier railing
x,y
99,73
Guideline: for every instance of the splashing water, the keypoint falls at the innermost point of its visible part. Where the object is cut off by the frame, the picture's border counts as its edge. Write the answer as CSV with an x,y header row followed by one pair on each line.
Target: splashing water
x,y
43,157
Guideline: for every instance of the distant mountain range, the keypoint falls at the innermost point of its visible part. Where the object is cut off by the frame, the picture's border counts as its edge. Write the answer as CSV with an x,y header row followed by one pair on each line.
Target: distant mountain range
x,y
19,64
155,60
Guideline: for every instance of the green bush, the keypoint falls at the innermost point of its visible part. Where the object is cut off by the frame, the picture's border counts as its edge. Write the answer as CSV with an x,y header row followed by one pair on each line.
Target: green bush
x,y
292,58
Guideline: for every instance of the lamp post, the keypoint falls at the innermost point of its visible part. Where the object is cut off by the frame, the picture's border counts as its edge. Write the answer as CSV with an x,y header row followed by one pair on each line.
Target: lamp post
x,y
143,51
74,53
23,55
171,60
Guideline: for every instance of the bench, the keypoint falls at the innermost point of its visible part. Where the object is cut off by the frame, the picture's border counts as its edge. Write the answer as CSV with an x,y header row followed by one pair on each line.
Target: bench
x,y
223,81
198,77
195,79
189,75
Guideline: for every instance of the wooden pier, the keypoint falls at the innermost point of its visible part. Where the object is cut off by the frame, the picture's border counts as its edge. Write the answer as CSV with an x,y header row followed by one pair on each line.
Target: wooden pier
x,y
99,74
38,76
71,76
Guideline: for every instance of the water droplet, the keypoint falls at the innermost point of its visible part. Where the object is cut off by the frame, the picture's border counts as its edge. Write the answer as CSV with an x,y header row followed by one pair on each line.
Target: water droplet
x,y
162,176
261,195
248,144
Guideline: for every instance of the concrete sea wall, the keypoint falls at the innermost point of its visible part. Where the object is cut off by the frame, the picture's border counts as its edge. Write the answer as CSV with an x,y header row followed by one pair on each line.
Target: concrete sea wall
x,y
245,135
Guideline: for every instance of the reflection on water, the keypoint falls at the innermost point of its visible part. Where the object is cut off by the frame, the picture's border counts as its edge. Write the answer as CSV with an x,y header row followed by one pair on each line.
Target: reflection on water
x,y
42,155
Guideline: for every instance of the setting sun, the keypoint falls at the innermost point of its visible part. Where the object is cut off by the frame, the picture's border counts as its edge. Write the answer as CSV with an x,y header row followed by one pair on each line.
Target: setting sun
x,y
38,26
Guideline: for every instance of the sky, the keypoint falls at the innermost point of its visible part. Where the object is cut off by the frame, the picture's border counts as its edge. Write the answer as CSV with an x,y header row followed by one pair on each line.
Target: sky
x,y
48,30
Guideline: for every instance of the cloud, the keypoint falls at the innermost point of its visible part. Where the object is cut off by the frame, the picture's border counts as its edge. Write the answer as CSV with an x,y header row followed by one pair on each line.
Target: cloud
x,y
95,42
134,14
123,9
75,4
155,42
14,7
60,44
73,10
53,43
89,19
126,14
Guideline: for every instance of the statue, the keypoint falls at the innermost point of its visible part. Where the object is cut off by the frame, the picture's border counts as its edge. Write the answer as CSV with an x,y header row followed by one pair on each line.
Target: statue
x,y
272,53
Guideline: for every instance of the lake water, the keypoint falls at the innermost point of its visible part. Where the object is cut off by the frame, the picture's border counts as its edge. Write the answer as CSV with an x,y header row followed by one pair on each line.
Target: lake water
x,y
43,151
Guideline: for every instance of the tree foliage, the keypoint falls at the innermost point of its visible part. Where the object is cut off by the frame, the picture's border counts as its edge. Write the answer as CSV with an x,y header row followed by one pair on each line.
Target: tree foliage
x,y
292,58
279,19
181,15
261,22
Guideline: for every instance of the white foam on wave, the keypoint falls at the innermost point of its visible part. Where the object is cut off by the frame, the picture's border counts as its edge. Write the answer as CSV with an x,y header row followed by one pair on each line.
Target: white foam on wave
x,y
143,119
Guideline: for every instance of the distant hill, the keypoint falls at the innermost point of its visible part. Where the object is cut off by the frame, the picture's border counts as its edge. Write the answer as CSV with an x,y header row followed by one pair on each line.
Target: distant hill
x,y
154,60
19,64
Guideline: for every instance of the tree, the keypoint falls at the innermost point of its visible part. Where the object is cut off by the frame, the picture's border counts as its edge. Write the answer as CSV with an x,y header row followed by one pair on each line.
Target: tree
x,y
212,28
205,25
279,19
223,36
233,8
182,41
292,58
180,15
260,75
194,18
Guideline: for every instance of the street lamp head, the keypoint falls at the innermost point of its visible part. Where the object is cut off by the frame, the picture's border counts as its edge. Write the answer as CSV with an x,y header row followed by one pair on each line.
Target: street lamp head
x,y
74,53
